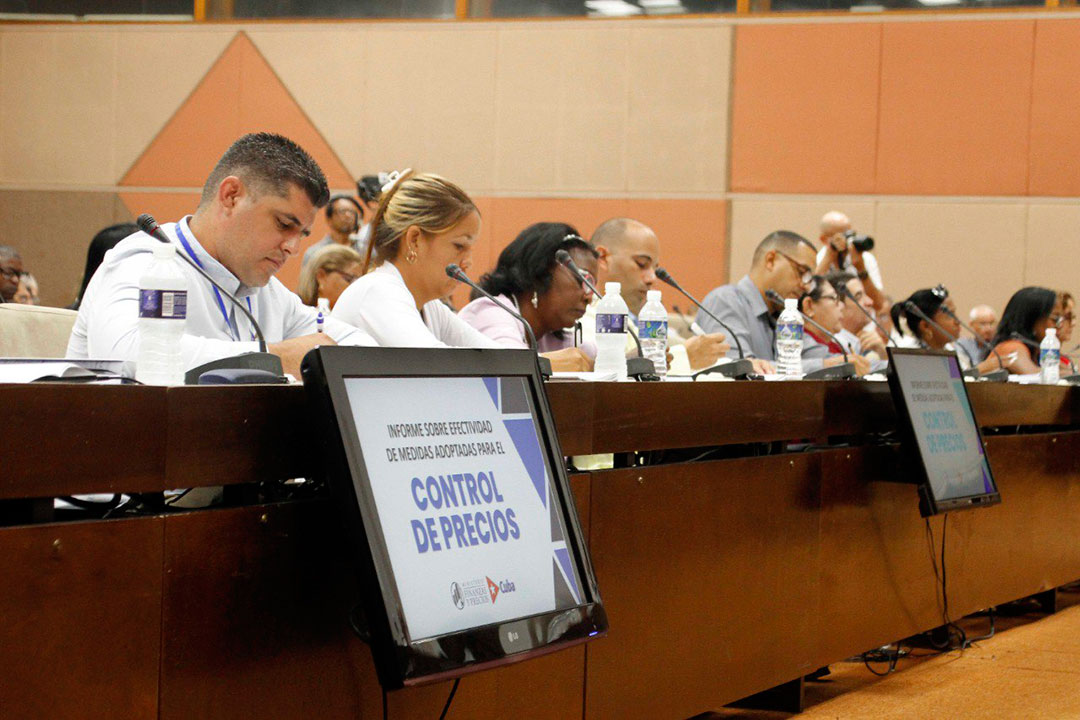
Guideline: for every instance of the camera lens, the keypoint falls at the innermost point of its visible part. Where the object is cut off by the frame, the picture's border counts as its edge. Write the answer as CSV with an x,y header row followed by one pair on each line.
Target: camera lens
x,y
863,243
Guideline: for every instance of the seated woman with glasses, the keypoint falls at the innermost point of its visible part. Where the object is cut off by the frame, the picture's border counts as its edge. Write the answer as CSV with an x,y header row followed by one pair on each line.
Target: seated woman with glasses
x,y
423,224
1023,325
529,279
935,304
824,305
330,270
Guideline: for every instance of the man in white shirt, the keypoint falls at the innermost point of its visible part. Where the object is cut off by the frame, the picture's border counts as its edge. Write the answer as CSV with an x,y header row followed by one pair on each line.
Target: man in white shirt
x,y
837,252
257,204
629,254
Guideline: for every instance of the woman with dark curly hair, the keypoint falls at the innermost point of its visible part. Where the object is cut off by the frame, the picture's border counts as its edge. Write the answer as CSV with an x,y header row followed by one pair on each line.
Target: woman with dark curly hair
x,y
528,278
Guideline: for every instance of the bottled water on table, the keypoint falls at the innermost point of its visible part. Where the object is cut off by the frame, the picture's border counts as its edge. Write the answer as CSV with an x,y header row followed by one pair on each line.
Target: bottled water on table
x,y
162,315
1049,358
653,331
789,340
611,315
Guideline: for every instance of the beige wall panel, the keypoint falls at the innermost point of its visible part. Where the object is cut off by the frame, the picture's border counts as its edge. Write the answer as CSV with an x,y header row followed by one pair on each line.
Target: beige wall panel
x,y
57,99
52,230
1053,238
752,220
561,108
430,102
156,70
678,116
976,249
327,80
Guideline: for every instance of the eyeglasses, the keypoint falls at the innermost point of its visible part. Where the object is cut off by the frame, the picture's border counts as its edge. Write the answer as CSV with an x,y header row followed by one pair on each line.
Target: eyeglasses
x,y
10,273
348,277
835,298
806,273
1059,320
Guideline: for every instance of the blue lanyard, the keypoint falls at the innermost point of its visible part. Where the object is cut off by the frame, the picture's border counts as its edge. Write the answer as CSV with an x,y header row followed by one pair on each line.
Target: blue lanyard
x,y
235,332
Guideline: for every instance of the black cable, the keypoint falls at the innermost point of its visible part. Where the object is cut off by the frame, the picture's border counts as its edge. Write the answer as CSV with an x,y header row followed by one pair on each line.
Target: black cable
x,y
450,699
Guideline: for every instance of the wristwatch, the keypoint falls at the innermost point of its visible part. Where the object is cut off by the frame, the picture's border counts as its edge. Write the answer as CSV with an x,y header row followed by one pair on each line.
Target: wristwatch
x,y
862,275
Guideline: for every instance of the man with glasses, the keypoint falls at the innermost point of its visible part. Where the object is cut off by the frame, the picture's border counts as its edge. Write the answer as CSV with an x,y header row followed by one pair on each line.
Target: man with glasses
x,y
783,262
11,268
343,215
629,254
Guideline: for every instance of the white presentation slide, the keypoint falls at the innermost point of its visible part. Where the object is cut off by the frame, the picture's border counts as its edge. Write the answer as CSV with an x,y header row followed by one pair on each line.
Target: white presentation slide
x,y
464,497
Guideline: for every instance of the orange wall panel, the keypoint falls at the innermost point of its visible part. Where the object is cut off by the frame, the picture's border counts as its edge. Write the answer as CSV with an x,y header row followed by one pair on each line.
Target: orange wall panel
x,y
955,98
804,114
1055,142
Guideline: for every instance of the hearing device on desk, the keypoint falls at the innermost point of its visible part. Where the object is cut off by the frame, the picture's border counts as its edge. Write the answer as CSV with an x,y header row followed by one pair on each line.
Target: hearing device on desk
x,y
240,376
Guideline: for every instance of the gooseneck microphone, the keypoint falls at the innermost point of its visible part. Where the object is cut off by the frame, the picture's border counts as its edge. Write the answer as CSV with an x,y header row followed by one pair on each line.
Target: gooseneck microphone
x,y
846,369
888,336
149,225
259,366
740,368
454,271
566,261
916,311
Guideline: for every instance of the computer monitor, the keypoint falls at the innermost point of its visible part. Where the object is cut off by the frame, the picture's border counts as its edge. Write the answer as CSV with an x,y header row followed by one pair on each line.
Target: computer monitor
x,y
941,438
448,472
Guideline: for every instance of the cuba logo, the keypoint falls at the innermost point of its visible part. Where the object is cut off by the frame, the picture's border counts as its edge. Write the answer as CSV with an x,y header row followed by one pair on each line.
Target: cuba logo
x,y
494,588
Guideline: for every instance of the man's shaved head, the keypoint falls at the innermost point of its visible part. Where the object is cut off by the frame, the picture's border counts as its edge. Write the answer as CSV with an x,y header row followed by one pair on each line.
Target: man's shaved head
x,y
834,222
629,252
612,233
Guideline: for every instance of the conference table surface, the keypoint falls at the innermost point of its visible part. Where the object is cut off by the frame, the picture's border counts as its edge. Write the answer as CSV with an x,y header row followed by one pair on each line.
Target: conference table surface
x,y
750,533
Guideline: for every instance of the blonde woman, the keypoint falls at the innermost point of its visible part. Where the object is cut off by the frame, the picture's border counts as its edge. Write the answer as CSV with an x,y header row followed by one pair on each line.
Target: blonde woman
x,y
330,270
424,223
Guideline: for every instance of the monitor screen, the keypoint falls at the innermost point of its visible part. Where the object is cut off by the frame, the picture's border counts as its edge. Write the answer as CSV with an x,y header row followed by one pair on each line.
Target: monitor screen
x,y
941,429
464,497
448,470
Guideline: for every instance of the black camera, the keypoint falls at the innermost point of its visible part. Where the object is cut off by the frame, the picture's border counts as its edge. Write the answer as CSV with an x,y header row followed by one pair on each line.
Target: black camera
x,y
862,243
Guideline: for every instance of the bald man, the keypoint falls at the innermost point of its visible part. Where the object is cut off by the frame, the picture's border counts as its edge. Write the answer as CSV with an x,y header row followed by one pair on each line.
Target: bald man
x,y
838,253
629,255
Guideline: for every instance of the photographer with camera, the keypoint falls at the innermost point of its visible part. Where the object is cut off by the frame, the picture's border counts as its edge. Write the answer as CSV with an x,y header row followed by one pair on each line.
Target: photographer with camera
x,y
843,249
349,217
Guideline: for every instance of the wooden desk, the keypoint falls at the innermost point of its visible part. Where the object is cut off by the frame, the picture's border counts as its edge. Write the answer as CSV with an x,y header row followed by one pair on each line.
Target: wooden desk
x,y
721,578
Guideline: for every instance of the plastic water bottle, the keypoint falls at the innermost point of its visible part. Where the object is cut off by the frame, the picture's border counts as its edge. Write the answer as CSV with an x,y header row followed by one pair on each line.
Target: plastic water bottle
x,y
162,315
322,306
611,315
652,325
1049,358
789,340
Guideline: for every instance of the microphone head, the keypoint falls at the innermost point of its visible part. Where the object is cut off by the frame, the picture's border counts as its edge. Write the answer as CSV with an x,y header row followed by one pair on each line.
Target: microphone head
x,y
147,223
564,258
774,296
912,308
454,271
664,276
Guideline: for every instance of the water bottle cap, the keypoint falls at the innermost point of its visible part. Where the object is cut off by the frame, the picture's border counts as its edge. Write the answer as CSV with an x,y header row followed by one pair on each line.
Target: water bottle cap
x,y
1051,332
612,287
652,295
164,251
791,304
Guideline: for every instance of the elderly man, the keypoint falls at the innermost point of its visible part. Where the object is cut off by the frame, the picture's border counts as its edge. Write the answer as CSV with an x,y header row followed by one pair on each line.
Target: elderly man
x,y
838,253
629,255
258,202
11,269
783,262
984,322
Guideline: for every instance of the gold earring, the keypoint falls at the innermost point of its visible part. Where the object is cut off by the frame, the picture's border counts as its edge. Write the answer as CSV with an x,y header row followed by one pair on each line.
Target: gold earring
x,y
535,300
410,256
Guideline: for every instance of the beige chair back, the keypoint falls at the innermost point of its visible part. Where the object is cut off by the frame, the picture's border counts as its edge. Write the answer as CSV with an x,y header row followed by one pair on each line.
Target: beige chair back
x,y
34,331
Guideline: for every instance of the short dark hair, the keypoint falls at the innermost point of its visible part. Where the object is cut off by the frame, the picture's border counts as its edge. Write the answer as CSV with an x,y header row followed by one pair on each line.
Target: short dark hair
x,y
269,163
526,264
782,240
835,278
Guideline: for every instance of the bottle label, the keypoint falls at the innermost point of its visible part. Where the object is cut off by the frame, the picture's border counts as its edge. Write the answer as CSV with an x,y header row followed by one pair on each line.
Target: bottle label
x,y
1048,355
168,304
610,323
652,329
789,331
